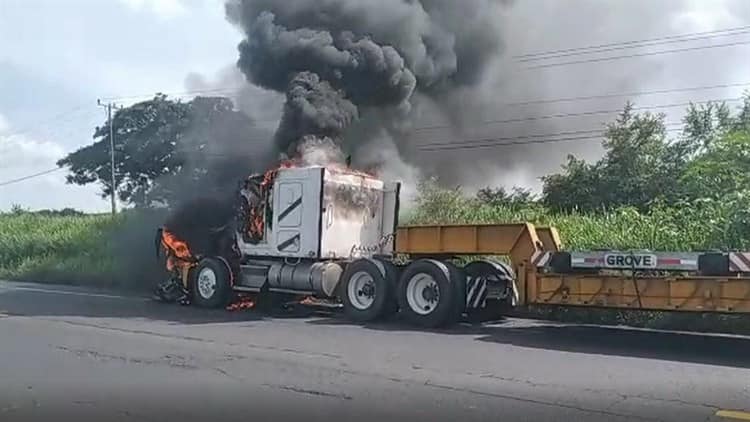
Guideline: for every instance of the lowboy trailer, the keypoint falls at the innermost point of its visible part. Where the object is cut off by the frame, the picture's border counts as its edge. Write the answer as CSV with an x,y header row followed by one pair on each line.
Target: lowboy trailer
x,y
333,234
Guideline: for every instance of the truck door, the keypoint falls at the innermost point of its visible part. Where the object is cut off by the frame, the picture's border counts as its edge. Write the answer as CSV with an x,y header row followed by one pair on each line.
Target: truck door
x,y
296,213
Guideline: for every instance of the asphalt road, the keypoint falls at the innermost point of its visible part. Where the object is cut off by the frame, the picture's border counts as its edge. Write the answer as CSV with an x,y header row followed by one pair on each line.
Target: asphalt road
x,y
76,354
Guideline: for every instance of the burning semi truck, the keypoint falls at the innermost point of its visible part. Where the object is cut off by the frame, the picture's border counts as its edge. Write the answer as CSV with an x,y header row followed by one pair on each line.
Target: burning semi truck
x,y
326,233
331,235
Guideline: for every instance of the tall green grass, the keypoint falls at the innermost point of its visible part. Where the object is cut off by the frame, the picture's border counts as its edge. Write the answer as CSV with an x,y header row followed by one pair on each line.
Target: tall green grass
x,y
55,248
83,249
102,250
700,226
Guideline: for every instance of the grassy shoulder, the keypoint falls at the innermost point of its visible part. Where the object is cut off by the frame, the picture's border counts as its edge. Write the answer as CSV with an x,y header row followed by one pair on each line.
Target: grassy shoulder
x,y
77,249
63,249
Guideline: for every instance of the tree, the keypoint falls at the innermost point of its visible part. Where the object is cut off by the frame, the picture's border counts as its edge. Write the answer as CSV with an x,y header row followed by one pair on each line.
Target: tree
x,y
165,149
721,167
742,121
577,188
703,125
632,171
709,160
517,197
722,170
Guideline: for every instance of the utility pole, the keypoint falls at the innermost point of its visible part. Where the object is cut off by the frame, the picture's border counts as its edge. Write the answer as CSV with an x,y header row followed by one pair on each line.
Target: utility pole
x,y
109,107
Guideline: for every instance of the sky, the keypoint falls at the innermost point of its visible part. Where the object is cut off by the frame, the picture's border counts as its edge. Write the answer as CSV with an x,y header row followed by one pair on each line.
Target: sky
x,y
58,57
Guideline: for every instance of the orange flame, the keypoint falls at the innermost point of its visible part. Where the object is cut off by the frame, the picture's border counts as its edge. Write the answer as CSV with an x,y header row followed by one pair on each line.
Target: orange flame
x,y
179,254
257,220
242,303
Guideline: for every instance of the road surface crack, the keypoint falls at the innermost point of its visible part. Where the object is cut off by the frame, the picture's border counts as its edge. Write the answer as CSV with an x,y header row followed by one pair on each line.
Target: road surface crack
x,y
515,380
128,330
541,402
173,361
309,392
197,339
622,396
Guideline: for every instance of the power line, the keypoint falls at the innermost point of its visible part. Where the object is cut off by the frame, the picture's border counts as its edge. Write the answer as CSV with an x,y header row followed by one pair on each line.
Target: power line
x,y
430,147
51,119
31,176
626,94
580,114
531,118
516,103
653,53
473,143
607,50
174,93
492,145
483,143
489,144
232,90
568,99
634,42
511,138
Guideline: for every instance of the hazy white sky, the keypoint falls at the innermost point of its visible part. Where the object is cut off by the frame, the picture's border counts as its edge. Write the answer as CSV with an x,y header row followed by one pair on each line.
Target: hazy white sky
x,y
58,57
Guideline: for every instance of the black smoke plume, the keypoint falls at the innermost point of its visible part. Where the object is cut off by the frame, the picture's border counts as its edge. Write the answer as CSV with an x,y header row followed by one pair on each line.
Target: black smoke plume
x,y
342,61
313,108
202,223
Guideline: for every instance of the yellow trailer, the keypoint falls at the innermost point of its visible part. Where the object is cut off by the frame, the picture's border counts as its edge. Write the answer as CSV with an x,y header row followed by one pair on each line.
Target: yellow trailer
x,y
532,251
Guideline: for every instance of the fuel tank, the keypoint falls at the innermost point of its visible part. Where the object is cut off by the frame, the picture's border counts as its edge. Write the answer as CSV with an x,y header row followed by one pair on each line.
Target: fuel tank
x,y
305,277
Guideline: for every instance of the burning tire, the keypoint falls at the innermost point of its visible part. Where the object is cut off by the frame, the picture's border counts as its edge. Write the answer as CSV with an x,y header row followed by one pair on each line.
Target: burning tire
x,y
367,290
211,283
431,293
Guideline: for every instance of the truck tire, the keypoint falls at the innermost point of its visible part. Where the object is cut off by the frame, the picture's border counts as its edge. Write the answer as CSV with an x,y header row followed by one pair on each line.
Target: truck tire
x,y
391,275
210,283
431,293
366,292
496,272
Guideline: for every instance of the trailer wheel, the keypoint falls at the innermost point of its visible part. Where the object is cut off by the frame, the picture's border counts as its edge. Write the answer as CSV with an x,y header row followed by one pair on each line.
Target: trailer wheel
x,y
366,291
479,273
430,293
210,283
